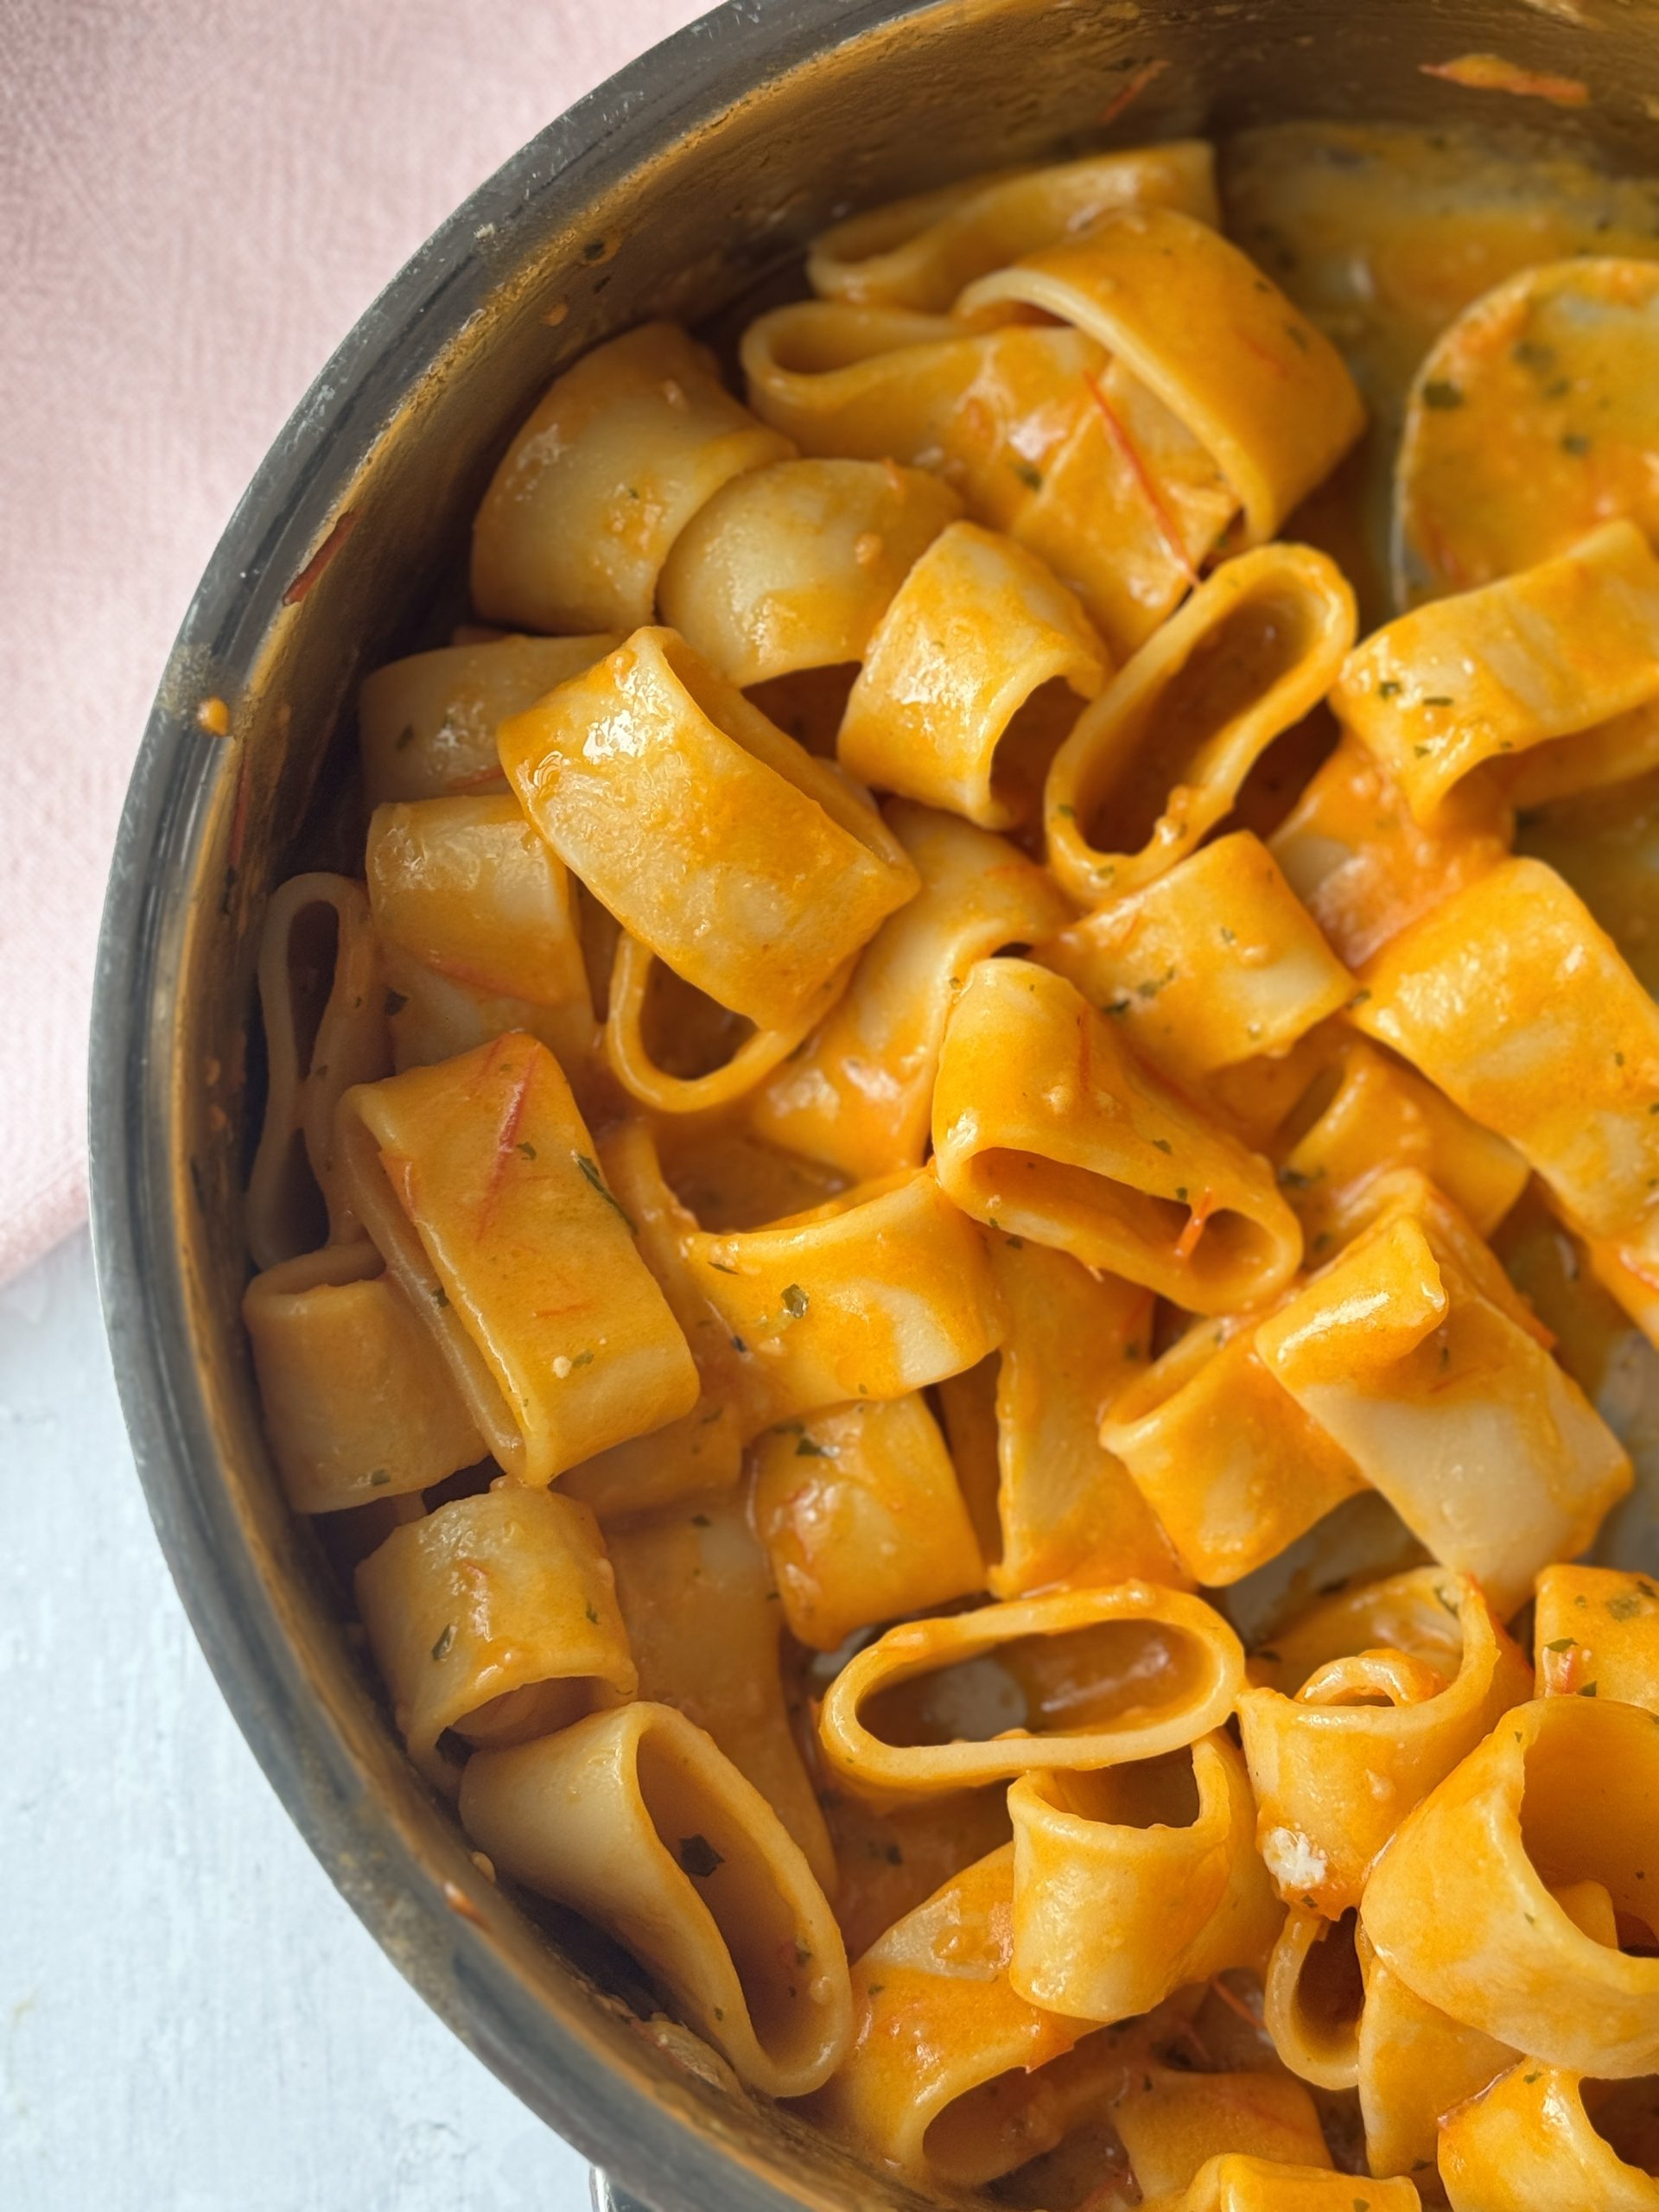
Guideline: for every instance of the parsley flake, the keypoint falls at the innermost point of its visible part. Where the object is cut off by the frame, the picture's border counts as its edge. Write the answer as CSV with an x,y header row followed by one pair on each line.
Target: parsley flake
x,y
441,1648
698,1856
795,1301
590,1171
1438,392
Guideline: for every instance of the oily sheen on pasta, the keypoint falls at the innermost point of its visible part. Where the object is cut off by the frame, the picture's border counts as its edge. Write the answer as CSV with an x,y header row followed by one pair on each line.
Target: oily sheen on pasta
x,y
956,1221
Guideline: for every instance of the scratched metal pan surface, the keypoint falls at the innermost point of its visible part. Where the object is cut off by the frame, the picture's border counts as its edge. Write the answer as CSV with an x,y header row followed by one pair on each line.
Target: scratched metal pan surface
x,y
681,185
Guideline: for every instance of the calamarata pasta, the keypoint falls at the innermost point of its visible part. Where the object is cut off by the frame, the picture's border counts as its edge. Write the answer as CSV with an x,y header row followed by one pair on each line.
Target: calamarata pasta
x,y
958,1224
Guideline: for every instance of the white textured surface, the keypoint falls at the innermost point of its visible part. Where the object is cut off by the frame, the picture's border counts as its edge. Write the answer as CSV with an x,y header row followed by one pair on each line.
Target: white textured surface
x,y
190,2019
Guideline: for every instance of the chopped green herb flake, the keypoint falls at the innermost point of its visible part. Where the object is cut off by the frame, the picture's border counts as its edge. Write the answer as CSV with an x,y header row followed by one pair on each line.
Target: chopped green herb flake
x,y
440,1295
795,1301
396,1002
1625,1606
405,737
1389,687
1067,813
699,1856
592,1616
737,1345
1440,699
1562,1643
379,1479
810,1448
1450,1604
590,1170
1438,392
1575,443
1030,477
440,1647
1161,1144
1589,1690
528,1151
583,1358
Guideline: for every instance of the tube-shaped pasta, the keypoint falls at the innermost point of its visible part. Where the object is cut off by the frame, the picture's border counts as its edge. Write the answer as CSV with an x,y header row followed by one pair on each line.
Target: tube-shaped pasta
x,y
1460,1906
1362,863
696,1592
465,888
862,1518
752,869
793,566
1043,434
1528,2142
1540,685
860,1093
356,1407
1313,1996
952,2076
985,408
1233,2183
1598,1627
1160,757
878,1292
426,725
1092,1678
1223,1454
742,1057
1264,392
496,1616
319,972
1131,1882
919,252
702,1450
1066,1510
1172,2122
478,1181
1369,1111
1208,965
1516,956
1410,1350
973,676
1127,508
1416,2063
1366,1735
1045,1126
637,1819
618,456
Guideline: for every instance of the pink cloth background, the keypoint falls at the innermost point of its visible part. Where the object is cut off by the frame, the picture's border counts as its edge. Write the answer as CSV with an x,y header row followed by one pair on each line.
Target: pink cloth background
x,y
197,199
